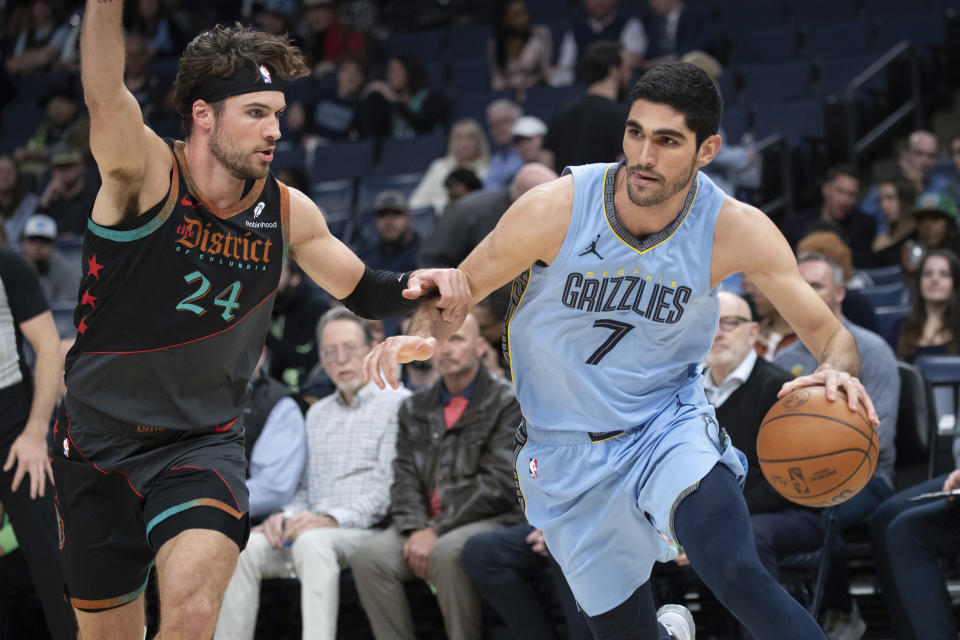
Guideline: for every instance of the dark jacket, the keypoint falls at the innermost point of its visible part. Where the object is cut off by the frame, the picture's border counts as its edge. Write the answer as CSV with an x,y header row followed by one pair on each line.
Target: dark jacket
x,y
463,226
470,464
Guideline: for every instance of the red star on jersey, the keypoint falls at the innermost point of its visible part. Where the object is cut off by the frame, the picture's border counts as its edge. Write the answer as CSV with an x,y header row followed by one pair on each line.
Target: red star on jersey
x,y
94,269
88,299
82,327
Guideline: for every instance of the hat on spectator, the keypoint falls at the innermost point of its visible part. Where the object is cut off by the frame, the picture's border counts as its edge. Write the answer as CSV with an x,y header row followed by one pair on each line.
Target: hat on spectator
x,y
284,8
933,203
390,200
40,226
66,155
528,127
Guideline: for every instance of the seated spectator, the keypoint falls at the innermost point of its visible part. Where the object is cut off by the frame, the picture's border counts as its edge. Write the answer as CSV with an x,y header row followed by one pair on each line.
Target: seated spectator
x,y
474,216
466,149
602,20
334,116
149,20
910,538
773,332
519,54
916,159
673,28
62,127
344,491
528,134
397,244
453,479
277,17
68,196
275,443
936,216
897,197
16,202
292,339
147,87
460,182
590,128
931,327
856,307
491,315
878,373
326,39
502,564
39,43
837,212
405,106
59,277
504,159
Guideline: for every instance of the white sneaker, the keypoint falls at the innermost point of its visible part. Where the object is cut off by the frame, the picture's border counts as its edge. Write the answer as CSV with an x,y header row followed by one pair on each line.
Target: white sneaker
x,y
678,620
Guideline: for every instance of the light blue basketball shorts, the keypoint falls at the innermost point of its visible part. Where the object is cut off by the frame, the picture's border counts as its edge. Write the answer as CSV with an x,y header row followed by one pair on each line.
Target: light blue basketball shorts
x,y
606,501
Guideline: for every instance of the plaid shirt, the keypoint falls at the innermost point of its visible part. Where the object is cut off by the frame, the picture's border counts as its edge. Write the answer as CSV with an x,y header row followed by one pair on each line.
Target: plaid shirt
x,y
350,452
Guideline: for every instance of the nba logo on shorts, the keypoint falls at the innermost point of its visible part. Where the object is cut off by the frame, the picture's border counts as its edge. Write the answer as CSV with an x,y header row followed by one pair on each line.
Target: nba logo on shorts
x,y
265,74
533,467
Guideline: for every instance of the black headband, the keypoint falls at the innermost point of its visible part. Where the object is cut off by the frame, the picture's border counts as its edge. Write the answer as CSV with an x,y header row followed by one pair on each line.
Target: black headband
x,y
242,81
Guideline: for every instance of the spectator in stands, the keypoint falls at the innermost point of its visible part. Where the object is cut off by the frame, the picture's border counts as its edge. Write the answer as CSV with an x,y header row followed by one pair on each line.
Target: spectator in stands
x,y
68,196
16,203
405,106
344,491
149,20
39,44
453,478
933,325
474,216
916,159
602,21
897,197
520,54
59,277
774,333
63,126
936,216
466,149
953,185
491,315
397,244
528,134
590,128
674,28
334,116
878,373
326,39
275,443
460,182
278,16
837,212
504,159
292,340
146,86
909,539
856,307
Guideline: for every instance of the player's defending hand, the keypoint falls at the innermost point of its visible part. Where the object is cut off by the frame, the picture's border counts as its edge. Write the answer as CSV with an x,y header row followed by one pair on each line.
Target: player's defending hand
x,y
834,379
450,283
29,454
382,361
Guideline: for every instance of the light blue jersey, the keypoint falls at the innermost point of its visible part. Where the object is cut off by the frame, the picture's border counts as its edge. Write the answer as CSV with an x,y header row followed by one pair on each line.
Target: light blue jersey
x,y
604,337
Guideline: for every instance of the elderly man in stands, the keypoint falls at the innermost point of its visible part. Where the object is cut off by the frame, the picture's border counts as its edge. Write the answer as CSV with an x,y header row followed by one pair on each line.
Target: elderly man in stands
x,y
502,114
453,479
343,492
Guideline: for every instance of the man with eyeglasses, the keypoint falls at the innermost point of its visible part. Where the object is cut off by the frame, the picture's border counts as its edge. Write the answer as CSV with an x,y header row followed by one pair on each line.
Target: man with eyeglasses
x,y
343,492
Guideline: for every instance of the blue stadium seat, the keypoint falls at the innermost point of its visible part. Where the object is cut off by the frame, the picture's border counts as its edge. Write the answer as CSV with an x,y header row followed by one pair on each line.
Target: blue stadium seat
x,y
63,319
470,42
369,187
821,11
410,155
921,28
879,276
795,120
346,160
769,45
423,221
752,15
836,74
766,83
288,155
427,45
543,101
470,74
887,295
473,104
334,197
838,39
889,316
880,8
19,120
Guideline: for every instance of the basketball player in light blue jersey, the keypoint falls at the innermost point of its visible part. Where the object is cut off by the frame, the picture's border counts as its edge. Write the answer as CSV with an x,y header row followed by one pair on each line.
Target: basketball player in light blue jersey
x,y
619,456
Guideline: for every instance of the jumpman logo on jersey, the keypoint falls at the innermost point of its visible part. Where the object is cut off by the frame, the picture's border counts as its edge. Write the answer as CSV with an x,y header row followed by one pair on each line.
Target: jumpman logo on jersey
x,y
681,405
591,248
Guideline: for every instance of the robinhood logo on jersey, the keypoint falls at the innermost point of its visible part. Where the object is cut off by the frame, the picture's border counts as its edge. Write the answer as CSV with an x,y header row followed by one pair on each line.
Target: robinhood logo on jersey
x,y
230,249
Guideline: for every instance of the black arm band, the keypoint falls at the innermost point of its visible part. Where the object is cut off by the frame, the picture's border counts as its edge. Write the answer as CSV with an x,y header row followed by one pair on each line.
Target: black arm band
x,y
378,295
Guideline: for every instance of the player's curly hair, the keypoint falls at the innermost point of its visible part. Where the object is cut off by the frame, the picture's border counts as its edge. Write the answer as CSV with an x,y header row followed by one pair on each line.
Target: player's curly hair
x,y
221,50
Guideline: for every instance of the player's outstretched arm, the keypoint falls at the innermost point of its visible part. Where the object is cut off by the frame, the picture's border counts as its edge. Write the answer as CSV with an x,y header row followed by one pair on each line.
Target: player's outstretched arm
x,y
122,145
745,240
532,229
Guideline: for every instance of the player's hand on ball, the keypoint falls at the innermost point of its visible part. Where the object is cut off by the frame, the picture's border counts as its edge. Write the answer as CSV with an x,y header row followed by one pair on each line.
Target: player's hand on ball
x,y
450,283
833,379
382,361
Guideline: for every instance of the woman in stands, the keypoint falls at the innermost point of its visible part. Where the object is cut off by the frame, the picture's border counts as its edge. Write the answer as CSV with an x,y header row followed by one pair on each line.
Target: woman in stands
x,y
404,105
932,326
519,53
467,148
897,196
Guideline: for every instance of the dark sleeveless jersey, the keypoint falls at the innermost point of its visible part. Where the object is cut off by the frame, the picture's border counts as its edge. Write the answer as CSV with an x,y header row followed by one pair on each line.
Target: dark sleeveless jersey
x,y
174,306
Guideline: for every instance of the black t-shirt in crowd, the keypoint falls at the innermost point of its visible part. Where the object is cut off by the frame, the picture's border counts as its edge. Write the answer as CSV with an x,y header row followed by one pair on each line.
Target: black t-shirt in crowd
x,y
585,130
20,300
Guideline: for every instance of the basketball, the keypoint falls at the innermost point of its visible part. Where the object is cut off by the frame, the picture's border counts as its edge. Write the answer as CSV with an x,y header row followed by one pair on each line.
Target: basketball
x,y
815,452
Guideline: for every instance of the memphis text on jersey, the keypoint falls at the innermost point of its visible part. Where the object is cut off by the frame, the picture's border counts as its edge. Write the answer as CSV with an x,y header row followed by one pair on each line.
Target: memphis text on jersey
x,y
230,249
654,300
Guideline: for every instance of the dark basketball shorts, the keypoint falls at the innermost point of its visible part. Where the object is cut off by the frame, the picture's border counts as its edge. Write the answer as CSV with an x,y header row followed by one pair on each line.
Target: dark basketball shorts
x,y
123,490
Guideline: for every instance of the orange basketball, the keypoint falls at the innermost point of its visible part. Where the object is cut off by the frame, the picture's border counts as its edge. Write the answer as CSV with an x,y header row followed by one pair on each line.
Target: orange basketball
x,y
815,452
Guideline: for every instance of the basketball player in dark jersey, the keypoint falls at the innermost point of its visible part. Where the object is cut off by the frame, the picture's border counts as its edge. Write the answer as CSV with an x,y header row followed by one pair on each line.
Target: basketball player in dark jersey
x,y
182,256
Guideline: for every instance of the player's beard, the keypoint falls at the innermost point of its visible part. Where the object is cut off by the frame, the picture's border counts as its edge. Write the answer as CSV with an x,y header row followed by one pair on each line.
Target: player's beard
x,y
666,191
241,164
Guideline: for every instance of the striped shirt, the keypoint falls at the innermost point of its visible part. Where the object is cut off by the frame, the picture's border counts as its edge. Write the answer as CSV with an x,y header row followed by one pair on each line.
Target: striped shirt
x,y
350,452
